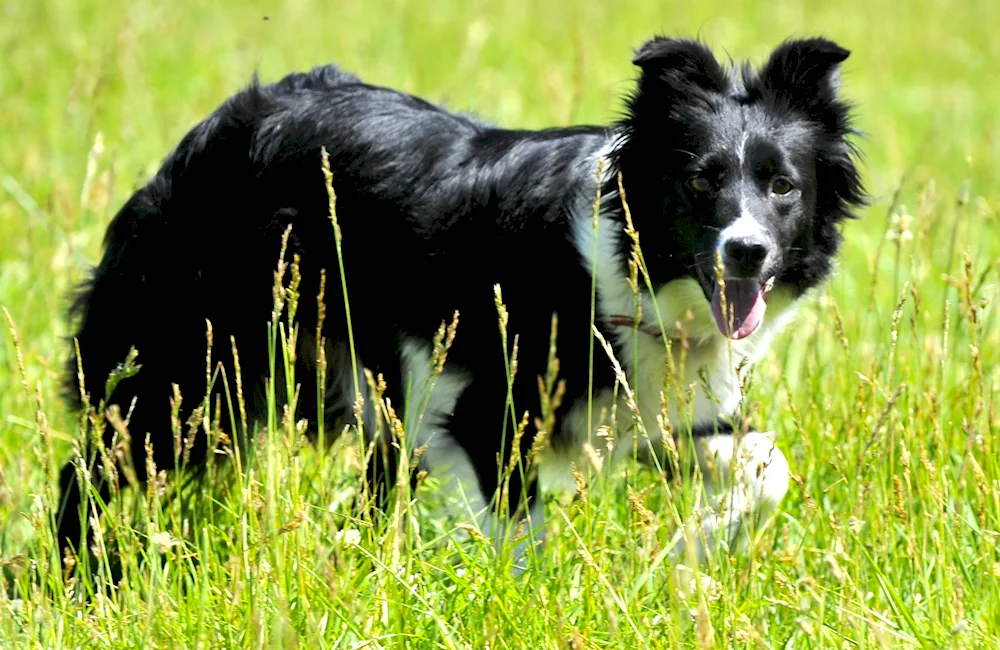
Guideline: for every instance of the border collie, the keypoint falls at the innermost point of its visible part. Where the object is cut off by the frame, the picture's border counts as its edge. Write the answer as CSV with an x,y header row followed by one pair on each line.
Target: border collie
x,y
735,179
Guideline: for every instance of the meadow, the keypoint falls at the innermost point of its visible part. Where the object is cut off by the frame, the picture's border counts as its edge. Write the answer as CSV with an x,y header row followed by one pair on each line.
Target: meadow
x,y
883,394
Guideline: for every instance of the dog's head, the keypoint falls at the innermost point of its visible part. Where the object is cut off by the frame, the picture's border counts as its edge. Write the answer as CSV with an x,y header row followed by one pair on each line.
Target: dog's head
x,y
750,166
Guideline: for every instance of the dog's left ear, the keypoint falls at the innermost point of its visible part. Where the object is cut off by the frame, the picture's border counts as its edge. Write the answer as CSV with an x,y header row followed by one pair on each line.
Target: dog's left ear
x,y
806,74
804,71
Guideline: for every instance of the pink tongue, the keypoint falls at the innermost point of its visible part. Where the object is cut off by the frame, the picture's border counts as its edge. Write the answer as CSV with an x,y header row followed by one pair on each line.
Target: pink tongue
x,y
745,308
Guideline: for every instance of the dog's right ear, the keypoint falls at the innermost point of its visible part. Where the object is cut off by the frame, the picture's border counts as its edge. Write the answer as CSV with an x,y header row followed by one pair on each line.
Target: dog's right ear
x,y
680,62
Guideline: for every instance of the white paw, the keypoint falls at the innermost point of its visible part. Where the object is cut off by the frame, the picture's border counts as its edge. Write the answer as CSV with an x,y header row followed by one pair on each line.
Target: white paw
x,y
742,490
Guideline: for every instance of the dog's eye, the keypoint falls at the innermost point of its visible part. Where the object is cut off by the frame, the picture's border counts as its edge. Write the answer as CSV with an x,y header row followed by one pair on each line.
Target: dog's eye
x,y
700,184
781,186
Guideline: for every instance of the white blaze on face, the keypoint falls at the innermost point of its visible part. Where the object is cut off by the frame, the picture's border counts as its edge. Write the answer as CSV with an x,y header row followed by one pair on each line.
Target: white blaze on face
x,y
743,149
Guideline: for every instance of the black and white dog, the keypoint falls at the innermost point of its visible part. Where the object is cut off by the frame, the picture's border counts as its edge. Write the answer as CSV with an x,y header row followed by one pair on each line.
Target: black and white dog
x,y
745,171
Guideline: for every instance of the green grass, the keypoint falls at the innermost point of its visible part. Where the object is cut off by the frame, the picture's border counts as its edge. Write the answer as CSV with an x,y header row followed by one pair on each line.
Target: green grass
x,y
887,384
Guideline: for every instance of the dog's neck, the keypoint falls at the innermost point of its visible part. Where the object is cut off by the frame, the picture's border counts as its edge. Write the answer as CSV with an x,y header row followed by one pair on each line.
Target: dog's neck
x,y
678,318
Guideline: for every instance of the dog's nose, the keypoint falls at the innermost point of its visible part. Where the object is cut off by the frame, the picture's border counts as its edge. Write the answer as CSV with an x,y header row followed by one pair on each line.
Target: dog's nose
x,y
744,256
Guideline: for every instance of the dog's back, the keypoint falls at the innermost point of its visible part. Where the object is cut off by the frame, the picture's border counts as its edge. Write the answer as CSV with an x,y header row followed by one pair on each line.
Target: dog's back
x,y
428,234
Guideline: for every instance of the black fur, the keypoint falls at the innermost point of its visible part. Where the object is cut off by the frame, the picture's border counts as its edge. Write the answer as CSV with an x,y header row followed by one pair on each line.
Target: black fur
x,y
435,210
683,121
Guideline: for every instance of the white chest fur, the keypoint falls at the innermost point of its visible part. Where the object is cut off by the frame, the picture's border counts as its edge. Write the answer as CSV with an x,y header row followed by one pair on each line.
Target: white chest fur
x,y
694,379
703,378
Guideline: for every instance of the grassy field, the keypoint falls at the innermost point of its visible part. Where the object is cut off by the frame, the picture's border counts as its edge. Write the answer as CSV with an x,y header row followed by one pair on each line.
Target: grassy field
x,y
883,395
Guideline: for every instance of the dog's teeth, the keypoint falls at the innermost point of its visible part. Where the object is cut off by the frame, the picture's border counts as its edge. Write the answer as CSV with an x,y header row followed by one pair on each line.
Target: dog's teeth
x,y
768,285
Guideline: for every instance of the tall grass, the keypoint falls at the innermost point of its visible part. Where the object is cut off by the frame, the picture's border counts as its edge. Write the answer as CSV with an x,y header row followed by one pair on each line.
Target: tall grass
x,y
883,394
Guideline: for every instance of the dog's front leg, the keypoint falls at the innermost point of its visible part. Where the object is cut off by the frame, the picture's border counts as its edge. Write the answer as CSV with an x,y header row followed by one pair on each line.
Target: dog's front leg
x,y
745,478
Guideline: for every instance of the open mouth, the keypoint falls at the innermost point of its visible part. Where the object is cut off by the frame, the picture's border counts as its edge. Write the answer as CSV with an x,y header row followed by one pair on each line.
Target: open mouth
x,y
738,309
739,305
